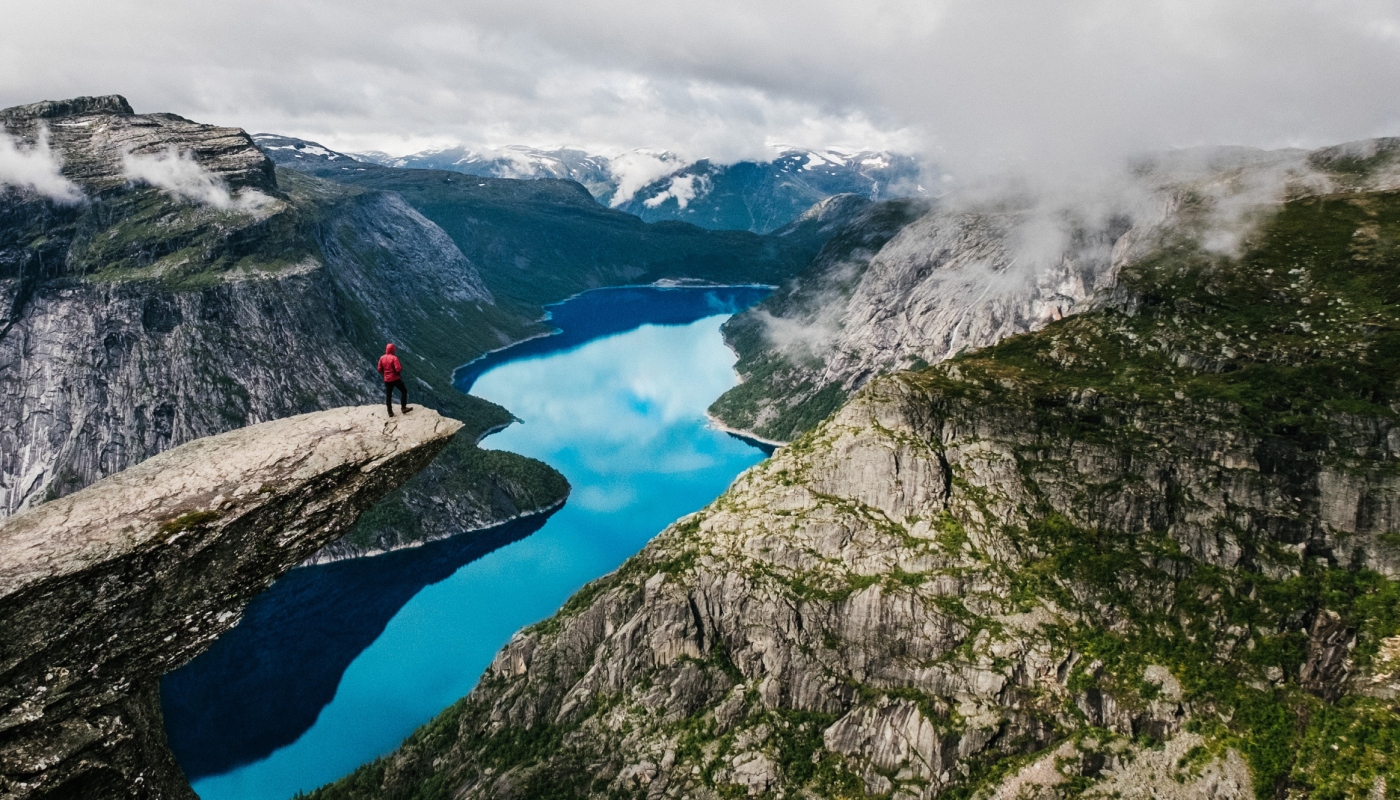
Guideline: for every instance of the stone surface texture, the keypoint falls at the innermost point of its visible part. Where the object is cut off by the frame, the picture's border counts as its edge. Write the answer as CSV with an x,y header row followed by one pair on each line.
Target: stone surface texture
x,y
91,134
858,590
107,589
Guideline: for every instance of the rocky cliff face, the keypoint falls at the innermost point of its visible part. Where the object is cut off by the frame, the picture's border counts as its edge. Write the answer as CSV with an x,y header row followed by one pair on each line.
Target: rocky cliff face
x,y
105,590
95,134
949,281
143,317
989,263
1148,550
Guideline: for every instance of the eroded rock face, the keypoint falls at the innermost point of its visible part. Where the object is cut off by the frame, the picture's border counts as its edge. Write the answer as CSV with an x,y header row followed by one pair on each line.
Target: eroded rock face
x,y
958,278
854,601
105,590
988,264
850,602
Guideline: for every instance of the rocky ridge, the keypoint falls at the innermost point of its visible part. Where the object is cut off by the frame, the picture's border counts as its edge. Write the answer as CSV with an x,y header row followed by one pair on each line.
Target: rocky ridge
x,y
1149,549
107,589
94,133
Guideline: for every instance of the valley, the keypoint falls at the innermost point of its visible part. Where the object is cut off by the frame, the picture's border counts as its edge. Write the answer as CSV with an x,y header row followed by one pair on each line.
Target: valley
x,y
297,695
1147,547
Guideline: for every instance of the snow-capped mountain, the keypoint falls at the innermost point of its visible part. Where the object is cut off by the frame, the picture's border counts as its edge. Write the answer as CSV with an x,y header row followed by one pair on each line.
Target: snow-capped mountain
x,y
515,161
759,196
286,149
764,196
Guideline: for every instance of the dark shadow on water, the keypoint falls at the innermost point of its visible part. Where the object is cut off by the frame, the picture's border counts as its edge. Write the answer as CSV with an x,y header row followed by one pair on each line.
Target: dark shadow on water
x,y
768,448
262,684
606,312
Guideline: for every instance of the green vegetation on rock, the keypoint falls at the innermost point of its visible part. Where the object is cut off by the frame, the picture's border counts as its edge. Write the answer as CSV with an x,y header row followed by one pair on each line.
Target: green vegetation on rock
x,y
1150,547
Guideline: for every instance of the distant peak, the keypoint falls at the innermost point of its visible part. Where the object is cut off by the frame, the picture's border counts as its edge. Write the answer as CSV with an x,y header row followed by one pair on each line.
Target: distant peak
x,y
77,106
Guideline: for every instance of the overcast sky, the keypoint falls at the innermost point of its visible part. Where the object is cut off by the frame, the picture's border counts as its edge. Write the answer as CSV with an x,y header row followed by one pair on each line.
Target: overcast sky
x,y
973,83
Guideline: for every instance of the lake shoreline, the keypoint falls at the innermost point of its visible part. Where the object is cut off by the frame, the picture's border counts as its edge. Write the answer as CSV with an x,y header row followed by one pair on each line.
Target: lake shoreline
x,y
663,283
486,529
748,436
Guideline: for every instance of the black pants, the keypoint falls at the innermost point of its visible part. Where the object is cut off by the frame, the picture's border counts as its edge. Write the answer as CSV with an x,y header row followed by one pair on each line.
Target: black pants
x,y
389,387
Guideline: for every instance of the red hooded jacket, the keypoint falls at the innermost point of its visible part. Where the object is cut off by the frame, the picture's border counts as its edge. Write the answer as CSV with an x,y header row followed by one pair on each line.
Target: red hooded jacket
x,y
389,365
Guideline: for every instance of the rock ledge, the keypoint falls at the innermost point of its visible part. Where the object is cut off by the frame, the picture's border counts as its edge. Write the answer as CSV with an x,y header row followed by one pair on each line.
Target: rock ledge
x,y
104,591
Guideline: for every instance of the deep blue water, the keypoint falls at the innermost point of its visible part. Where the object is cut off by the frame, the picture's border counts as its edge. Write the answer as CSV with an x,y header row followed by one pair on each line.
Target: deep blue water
x,y
334,665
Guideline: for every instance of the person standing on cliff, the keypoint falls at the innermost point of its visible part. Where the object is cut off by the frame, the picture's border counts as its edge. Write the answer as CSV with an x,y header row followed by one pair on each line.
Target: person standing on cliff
x,y
391,369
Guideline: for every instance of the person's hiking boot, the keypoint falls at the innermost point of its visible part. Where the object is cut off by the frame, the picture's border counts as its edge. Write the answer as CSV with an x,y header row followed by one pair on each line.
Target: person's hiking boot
x,y
391,412
405,409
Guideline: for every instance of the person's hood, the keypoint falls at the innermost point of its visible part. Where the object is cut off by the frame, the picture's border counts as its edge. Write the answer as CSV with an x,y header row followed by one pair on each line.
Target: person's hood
x,y
389,349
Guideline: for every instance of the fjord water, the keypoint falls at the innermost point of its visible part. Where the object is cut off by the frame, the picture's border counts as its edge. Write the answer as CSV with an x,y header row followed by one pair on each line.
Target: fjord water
x,y
335,664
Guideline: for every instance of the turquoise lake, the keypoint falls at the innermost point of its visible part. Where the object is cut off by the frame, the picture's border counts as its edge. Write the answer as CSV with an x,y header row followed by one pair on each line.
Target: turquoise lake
x,y
335,664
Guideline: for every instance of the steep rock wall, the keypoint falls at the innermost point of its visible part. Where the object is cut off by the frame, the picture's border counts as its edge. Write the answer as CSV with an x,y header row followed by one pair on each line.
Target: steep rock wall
x,y
854,615
138,319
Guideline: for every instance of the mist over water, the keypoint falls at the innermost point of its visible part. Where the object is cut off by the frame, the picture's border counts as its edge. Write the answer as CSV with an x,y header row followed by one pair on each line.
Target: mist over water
x,y
622,416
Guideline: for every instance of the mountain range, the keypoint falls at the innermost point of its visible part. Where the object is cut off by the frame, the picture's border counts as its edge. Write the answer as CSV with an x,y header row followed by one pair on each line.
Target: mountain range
x,y
758,196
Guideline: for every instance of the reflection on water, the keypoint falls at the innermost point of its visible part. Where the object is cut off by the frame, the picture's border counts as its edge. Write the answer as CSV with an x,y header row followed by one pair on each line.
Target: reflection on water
x,y
606,312
617,406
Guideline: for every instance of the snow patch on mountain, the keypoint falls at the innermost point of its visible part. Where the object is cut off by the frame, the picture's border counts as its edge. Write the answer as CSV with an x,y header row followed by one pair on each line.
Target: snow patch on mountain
x,y
757,195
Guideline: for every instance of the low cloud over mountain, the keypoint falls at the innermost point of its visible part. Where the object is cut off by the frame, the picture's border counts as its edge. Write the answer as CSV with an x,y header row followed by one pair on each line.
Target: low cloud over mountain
x,y
977,85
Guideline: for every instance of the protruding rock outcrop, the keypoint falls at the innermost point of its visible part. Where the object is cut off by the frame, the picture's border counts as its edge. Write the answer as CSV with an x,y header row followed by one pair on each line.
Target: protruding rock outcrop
x,y
105,590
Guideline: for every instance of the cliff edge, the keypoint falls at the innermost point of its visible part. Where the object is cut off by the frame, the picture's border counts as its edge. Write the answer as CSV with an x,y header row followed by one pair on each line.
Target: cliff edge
x,y
105,590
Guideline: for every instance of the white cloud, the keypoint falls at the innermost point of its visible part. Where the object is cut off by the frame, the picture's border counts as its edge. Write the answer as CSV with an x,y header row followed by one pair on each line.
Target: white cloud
x,y
637,169
35,169
976,84
682,189
180,175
